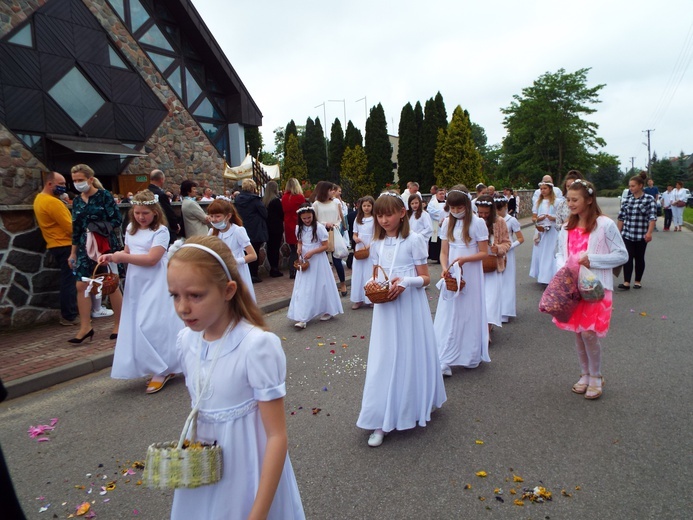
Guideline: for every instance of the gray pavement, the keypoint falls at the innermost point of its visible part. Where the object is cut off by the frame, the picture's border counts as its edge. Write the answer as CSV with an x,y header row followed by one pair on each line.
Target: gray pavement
x,y
629,453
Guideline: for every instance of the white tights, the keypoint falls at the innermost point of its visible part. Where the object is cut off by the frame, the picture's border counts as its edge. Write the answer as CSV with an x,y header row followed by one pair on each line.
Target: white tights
x,y
589,351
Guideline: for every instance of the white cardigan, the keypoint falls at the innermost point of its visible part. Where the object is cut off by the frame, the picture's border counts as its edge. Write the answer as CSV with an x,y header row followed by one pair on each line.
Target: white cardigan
x,y
605,249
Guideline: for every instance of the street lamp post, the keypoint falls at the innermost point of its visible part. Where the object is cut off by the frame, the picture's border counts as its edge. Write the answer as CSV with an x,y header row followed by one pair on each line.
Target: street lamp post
x,y
324,116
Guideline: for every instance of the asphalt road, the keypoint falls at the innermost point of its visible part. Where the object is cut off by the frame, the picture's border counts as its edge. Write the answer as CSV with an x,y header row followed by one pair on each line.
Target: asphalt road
x,y
627,455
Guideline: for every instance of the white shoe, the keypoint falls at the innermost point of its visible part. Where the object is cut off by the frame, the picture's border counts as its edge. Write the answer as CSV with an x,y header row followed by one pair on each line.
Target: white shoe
x,y
376,439
325,317
446,370
300,324
103,312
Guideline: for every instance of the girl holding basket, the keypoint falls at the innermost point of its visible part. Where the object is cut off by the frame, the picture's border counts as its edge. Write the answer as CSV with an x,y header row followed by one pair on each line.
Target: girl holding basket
x,y
363,235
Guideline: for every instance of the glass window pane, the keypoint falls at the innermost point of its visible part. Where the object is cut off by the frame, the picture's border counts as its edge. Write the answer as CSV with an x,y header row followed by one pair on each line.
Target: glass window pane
x,y
156,38
115,60
138,15
162,62
29,139
174,79
211,129
23,37
118,7
172,33
206,109
193,90
76,96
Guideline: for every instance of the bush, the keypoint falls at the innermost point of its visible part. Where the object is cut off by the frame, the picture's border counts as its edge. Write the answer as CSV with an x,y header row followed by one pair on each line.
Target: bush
x,y
610,193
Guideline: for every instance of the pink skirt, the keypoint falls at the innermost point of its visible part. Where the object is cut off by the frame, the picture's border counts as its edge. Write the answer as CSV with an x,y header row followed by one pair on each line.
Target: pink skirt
x,y
594,316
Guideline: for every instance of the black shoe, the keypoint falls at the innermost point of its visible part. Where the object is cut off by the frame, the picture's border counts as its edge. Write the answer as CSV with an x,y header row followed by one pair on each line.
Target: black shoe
x,y
256,279
292,276
275,273
624,287
77,341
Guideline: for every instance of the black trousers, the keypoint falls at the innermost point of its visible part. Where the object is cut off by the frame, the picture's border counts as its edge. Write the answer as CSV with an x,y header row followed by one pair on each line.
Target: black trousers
x,y
68,287
434,250
273,245
636,255
293,256
667,218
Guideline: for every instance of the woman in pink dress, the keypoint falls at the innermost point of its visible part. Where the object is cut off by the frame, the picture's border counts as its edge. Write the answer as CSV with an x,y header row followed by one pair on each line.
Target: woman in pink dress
x,y
596,242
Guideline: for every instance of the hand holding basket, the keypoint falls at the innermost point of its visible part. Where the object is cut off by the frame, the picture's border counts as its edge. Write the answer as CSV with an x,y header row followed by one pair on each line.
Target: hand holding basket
x,y
102,284
378,291
301,264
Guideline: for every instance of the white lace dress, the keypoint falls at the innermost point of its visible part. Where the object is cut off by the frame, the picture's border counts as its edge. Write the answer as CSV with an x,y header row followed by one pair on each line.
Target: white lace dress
x,y
460,325
148,321
403,379
251,368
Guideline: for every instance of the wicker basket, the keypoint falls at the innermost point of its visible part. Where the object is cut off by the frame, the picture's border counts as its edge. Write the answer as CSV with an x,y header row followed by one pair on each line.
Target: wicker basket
x,y
301,264
377,292
170,466
105,283
490,263
362,254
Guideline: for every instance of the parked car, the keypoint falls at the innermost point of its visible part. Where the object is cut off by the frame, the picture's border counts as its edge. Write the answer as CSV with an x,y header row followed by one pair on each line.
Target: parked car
x,y
689,199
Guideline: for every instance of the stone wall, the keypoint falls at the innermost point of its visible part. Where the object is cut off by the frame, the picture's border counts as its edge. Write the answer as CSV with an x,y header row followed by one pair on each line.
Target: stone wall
x,y
20,171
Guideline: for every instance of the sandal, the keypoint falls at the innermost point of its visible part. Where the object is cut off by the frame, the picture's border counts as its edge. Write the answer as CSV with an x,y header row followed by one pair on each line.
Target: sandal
x,y
637,286
624,287
154,386
581,388
595,392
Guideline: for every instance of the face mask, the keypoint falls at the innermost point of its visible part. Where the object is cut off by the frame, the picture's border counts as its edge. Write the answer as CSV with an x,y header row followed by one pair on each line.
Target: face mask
x,y
459,215
220,225
82,186
59,190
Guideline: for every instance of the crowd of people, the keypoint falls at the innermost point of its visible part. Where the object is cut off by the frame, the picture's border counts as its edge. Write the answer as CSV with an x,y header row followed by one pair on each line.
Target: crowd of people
x,y
214,329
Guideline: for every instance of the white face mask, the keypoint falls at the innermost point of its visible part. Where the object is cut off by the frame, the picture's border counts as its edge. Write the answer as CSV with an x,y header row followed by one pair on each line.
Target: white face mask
x,y
459,215
82,186
220,225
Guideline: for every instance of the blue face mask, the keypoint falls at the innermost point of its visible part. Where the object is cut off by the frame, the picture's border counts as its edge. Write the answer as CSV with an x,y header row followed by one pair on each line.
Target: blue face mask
x,y
59,190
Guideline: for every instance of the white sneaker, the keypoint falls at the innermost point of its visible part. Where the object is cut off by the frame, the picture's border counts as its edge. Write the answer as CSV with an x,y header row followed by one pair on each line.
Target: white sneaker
x,y
300,324
446,370
325,317
103,312
376,439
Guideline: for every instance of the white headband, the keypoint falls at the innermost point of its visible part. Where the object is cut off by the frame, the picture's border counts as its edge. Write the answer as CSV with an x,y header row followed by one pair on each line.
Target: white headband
x,y
214,254
544,183
483,203
303,210
584,183
146,202
389,193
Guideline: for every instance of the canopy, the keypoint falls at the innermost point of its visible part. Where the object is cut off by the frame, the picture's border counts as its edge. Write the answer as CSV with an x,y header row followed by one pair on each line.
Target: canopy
x,y
245,170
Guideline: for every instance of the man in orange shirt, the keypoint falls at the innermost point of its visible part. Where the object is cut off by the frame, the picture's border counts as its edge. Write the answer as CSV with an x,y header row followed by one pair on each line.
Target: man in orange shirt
x,y
55,222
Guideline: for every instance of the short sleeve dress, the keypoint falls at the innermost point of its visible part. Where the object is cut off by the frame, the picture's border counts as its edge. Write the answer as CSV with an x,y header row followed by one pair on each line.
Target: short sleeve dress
x,y
362,270
236,237
251,367
588,316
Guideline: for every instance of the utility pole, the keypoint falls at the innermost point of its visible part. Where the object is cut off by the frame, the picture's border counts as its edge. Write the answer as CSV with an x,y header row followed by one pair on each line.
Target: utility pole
x,y
324,115
649,156
632,164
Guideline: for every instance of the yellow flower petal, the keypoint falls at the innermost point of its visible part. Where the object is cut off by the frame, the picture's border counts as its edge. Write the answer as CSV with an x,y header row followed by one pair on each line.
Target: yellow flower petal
x,y
518,502
481,474
479,442
513,492
467,486
83,508
517,478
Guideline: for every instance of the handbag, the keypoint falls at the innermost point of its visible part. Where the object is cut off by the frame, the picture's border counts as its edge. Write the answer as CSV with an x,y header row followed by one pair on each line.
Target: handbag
x,y
679,204
187,463
330,240
340,247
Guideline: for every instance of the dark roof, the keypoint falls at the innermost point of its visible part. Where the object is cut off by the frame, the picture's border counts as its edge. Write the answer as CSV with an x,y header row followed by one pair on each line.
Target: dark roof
x,y
251,114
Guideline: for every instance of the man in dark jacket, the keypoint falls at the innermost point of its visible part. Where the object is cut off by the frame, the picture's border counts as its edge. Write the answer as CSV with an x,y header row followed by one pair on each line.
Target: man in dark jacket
x,y
157,179
254,215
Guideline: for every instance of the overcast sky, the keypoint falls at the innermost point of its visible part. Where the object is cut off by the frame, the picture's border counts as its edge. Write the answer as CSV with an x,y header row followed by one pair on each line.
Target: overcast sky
x,y
293,56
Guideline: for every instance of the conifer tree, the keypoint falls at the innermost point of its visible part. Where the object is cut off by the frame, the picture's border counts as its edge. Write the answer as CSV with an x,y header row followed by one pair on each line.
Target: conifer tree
x,y
418,119
407,154
314,151
294,163
336,151
457,159
290,130
429,136
441,113
356,182
352,136
378,148
253,139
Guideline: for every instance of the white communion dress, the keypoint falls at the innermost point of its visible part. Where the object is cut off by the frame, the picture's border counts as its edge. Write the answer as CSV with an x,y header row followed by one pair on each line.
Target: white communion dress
x,y
543,265
509,303
492,293
236,237
148,321
362,270
460,325
315,291
423,225
403,380
251,367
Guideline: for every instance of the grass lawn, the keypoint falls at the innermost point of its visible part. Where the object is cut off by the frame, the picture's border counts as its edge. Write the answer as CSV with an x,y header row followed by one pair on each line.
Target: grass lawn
x,y
688,215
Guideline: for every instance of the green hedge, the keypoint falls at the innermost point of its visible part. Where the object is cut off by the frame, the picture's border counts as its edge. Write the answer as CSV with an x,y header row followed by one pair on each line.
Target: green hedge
x,y
610,193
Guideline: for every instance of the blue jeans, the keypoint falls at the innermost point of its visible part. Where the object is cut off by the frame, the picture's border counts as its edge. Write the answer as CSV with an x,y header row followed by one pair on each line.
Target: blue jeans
x,y
68,288
339,267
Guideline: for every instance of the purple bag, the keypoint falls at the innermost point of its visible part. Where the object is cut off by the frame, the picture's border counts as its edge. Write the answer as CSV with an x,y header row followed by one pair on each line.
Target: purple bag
x,y
562,295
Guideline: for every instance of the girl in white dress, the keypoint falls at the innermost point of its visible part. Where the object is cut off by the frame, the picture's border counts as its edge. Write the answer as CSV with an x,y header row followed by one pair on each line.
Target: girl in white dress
x,y
148,323
508,280
543,265
419,220
362,270
499,244
403,382
460,324
227,225
315,293
242,410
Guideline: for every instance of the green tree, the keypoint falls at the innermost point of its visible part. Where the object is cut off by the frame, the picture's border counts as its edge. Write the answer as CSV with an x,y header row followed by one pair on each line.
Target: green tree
x,y
664,172
290,130
441,113
253,139
294,163
279,144
418,120
314,151
479,136
606,173
336,151
457,159
352,136
429,136
546,127
408,152
378,148
356,182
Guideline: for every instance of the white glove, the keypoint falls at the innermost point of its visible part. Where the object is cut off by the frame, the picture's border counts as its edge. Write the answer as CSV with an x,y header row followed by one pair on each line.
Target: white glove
x,y
240,260
515,244
411,281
